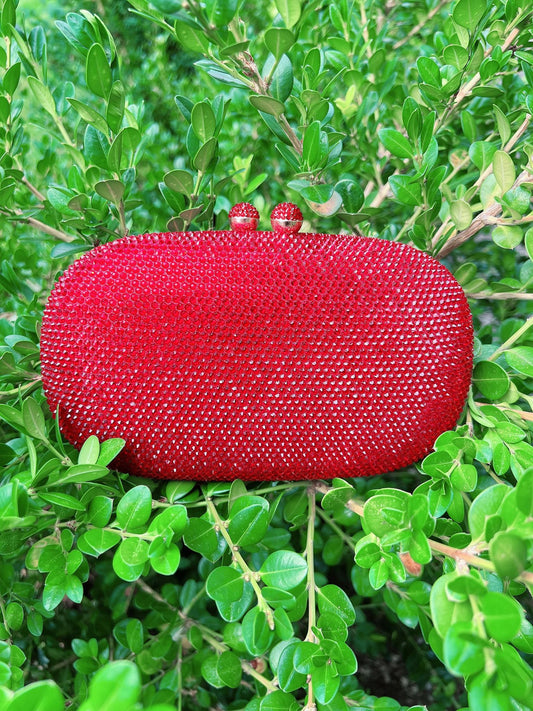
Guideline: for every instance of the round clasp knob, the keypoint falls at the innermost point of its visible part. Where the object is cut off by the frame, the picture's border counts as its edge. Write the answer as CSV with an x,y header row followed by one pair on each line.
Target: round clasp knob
x,y
243,217
286,218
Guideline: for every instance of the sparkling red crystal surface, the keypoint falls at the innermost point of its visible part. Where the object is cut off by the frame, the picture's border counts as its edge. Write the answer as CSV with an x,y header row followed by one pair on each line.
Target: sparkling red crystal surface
x,y
218,355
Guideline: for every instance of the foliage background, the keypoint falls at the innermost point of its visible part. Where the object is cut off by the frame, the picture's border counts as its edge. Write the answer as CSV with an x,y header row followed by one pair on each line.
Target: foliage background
x,y
407,121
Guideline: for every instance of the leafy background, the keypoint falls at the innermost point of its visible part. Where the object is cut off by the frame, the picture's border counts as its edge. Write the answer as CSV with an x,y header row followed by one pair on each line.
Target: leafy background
x,y
407,121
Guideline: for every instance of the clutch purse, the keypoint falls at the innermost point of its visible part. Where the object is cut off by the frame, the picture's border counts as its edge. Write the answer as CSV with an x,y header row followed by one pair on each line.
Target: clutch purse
x,y
259,355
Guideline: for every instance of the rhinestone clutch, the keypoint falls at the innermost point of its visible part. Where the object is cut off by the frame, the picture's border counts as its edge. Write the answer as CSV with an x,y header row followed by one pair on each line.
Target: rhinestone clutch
x,y
255,354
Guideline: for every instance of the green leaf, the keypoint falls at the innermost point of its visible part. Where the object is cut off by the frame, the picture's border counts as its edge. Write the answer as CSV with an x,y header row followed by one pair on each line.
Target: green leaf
x,y
180,181
98,71
176,490
331,598
405,190
95,147
352,196
283,569
129,559
89,114
65,500
109,450
395,142
225,584
528,240
502,615
463,649
135,635
55,589
303,656
464,477
275,701
491,379
33,419
325,683
174,518
229,669
468,13
267,105
279,40
289,678
12,78
332,626
14,614
510,433
168,562
203,121
115,106
319,194
191,36
135,508
290,11
484,506
507,236
256,632
276,597
205,155
385,512
249,520
43,95
456,55
461,214
89,451
521,359
210,671
311,145
504,127
74,588
96,541
446,611
233,611
504,170
122,152
117,685
524,493
201,537
8,17
367,552
38,696
508,552
429,71
112,190
481,154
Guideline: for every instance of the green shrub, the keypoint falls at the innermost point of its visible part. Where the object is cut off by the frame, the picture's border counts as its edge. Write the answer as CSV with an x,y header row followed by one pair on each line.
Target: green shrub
x,y
407,121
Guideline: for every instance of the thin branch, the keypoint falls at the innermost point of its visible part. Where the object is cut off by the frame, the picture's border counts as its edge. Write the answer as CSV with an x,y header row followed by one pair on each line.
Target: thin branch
x,y
467,88
500,295
42,227
247,668
488,215
248,574
458,554
153,593
512,339
416,29
15,392
39,195
474,560
480,221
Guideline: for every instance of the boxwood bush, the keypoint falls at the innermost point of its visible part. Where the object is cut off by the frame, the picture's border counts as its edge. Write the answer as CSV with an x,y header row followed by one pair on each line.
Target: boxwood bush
x,y
408,121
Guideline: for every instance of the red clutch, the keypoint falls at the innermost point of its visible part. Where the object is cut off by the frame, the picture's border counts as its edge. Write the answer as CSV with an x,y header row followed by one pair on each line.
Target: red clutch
x,y
255,354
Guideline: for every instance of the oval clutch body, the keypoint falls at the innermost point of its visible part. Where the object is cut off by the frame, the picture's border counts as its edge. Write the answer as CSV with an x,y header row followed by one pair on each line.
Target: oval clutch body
x,y
257,355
